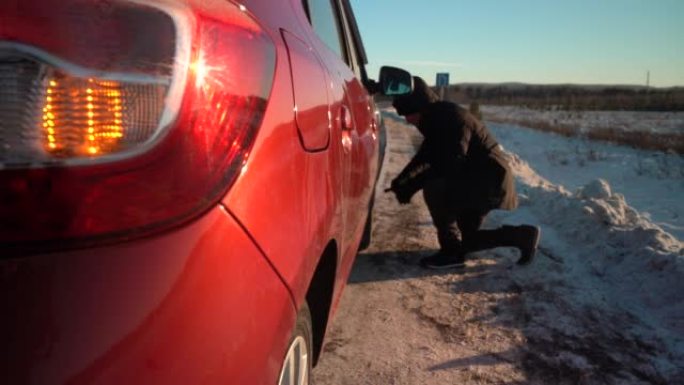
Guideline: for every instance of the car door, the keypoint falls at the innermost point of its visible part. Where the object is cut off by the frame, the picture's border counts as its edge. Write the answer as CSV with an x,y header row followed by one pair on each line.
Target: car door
x,y
352,116
365,151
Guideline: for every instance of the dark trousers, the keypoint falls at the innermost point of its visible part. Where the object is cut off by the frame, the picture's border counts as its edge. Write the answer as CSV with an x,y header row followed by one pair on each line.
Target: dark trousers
x,y
456,228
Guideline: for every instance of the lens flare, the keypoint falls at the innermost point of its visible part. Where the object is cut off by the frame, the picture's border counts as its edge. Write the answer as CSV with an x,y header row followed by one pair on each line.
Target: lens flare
x,y
200,69
207,75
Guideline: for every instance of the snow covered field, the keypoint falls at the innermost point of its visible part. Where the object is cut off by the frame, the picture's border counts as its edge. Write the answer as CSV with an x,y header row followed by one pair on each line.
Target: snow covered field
x,y
661,131
652,182
602,303
652,122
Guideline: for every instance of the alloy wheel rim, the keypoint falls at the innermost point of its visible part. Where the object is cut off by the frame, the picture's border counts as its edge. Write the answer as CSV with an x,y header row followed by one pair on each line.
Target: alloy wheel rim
x,y
295,369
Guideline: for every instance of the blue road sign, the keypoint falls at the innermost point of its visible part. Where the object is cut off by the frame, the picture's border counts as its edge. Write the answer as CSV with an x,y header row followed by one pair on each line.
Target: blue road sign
x,y
442,79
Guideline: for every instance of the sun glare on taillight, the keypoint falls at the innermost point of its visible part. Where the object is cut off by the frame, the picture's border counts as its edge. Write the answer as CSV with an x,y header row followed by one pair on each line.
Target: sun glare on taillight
x,y
136,119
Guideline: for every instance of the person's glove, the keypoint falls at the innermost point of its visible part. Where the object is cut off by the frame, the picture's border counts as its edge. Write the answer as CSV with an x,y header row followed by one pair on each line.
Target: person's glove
x,y
400,192
403,197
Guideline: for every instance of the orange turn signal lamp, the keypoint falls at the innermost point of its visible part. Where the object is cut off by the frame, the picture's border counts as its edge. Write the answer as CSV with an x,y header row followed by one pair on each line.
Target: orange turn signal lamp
x,y
82,117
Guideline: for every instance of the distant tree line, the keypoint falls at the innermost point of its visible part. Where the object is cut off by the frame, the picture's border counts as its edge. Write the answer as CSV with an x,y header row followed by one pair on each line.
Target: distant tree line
x,y
570,97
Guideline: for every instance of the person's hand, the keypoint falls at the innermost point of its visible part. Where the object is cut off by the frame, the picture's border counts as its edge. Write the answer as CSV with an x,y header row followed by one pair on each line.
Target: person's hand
x,y
402,196
400,193
395,185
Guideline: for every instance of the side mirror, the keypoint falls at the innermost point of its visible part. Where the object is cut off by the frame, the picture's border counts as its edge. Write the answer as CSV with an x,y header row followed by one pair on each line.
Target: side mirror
x,y
395,81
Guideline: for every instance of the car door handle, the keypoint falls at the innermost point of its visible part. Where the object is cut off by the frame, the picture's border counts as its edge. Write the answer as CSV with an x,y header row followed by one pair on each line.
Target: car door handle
x,y
346,118
346,124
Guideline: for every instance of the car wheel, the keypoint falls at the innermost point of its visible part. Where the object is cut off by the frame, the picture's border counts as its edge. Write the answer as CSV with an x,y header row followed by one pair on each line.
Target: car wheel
x,y
296,368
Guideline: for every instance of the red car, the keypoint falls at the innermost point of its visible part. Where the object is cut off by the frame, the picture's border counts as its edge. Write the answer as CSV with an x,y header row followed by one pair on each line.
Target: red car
x,y
184,185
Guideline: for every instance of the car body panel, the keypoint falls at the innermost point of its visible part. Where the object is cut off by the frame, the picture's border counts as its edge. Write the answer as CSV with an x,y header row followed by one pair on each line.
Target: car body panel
x,y
310,89
359,147
336,184
174,309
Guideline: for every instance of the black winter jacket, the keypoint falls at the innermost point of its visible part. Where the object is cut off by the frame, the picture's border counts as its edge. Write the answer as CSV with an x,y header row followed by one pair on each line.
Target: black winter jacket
x,y
460,149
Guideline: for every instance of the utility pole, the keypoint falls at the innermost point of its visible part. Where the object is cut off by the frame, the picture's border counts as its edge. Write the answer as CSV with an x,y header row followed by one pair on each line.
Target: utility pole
x,y
648,79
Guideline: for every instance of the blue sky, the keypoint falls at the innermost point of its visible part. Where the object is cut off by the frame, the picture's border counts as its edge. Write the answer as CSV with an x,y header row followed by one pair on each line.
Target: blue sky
x,y
532,41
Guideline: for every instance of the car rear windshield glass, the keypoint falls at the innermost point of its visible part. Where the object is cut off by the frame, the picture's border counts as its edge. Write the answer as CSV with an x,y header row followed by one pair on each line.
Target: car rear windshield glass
x,y
325,23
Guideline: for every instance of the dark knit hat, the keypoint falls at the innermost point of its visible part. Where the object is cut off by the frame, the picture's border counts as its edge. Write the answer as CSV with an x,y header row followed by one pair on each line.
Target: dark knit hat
x,y
417,100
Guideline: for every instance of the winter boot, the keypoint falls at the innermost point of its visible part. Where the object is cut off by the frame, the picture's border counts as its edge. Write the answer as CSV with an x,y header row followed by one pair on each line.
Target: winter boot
x,y
450,254
444,260
527,240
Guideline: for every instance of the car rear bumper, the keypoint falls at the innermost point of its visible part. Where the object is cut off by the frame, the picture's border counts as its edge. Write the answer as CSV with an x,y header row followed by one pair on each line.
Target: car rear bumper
x,y
199,305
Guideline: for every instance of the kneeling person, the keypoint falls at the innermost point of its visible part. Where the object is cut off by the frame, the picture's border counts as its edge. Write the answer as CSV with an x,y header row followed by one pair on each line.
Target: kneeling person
x,y
463,174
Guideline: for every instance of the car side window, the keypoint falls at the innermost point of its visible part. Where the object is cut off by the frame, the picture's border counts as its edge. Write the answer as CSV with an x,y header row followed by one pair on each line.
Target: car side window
x,y
352,50
325,22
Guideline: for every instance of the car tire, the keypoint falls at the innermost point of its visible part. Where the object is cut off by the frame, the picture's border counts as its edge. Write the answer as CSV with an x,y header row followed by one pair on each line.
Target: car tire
x,y
297,364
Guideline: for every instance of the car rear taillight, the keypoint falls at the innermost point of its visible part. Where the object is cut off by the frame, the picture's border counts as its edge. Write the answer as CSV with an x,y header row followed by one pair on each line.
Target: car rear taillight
x,y
122,118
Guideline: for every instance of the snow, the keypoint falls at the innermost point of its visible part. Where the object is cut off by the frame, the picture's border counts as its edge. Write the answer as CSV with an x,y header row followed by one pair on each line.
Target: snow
x,y
596,189
652,182
612,256
654,122
599,230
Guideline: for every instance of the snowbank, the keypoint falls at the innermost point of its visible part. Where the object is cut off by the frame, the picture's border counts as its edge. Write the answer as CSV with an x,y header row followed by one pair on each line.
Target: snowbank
x,y
641,264
651,181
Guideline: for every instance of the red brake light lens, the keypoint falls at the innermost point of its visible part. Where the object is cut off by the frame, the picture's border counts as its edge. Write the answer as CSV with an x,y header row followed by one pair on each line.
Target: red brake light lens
x,y
142,133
